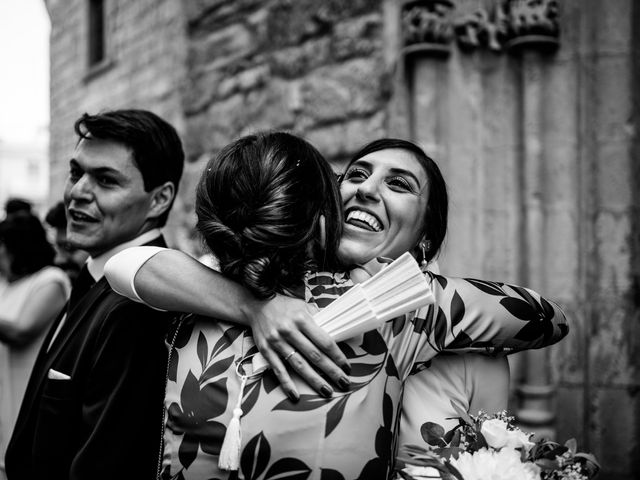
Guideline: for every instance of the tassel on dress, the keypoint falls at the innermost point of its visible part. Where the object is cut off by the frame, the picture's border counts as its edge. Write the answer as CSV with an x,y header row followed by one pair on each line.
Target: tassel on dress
x,y
229,458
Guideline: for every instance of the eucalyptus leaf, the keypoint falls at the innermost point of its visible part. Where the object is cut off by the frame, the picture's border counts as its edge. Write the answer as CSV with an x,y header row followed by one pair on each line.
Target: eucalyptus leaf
x,y
463,415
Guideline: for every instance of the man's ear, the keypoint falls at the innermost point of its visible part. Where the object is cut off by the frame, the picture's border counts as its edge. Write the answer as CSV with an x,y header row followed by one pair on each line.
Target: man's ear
x,y
161,199
323,231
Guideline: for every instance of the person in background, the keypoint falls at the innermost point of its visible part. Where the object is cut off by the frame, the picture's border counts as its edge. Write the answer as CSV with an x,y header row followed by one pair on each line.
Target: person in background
x,y
93,405
17,206
30,299
67,258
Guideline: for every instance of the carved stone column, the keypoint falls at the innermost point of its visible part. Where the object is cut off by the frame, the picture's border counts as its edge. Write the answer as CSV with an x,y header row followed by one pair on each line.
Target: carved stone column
x,y
534,33
534,412
427,30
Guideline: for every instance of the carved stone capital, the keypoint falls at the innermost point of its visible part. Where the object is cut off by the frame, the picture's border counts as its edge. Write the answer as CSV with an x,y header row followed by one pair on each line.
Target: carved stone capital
x,y
427,27
533,24
482,29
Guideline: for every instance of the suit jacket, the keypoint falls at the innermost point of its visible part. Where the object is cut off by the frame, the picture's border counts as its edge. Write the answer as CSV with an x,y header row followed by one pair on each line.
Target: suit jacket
x,y
105,421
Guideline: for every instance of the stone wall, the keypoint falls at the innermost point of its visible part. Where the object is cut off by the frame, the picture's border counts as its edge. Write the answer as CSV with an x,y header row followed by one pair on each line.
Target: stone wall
x,y
312,67
315,68
602,375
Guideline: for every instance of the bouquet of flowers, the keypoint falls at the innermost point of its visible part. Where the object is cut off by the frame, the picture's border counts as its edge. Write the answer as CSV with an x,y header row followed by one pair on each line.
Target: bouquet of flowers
x,y
490,446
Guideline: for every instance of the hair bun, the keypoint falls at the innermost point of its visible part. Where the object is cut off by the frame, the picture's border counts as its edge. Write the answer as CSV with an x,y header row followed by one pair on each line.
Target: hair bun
x,y
260,276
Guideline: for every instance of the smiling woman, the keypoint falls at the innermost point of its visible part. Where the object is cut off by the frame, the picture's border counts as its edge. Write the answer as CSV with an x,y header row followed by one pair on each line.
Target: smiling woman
x,y
384,205
395,200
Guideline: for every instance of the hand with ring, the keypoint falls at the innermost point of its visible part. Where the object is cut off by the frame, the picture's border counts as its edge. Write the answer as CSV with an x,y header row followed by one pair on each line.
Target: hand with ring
x,y
284,326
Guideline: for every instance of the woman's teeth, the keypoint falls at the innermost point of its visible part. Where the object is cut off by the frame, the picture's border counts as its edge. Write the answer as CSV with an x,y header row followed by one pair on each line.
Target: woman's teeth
x,y
358,218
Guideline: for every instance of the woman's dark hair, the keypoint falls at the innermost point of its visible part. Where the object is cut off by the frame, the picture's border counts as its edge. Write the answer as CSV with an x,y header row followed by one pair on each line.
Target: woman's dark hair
x,y
155,145
259,203
435,217
26,242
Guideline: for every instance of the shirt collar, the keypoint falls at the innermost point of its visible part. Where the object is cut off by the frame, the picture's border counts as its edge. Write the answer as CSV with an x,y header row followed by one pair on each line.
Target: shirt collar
x,y
96,265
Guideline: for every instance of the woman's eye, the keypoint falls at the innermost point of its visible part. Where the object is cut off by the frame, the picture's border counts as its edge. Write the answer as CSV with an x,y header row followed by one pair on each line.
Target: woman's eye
x,y
356,174
399,183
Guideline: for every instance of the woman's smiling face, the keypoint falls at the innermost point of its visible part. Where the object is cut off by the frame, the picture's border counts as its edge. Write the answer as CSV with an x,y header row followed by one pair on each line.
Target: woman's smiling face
x,y
384,195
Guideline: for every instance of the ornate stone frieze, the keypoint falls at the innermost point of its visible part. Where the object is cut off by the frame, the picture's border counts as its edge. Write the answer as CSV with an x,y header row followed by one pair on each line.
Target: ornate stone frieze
x,y
430,26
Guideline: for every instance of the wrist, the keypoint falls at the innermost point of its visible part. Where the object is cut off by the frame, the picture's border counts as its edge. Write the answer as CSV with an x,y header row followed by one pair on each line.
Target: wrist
x,y
249,310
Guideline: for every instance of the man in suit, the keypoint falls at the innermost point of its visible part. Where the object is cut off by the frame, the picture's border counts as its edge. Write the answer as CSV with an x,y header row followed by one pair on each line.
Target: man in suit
x,y
93,406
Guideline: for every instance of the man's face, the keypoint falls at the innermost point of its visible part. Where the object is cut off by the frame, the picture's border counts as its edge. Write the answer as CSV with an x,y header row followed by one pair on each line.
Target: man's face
x,y
104,197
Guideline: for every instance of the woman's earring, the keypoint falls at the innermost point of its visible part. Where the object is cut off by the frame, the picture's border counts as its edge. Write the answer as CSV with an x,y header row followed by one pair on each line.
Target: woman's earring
x,y
424,246
323,231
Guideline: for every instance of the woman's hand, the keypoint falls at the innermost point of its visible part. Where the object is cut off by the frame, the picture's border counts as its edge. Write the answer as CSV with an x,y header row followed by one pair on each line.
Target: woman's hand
x,y
284,325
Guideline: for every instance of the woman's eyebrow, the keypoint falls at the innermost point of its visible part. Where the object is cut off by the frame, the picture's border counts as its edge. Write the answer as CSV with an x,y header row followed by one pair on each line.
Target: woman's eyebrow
x,y
361,163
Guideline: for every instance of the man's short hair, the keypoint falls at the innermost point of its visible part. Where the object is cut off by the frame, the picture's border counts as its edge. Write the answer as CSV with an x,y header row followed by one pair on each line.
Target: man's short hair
x,y
154,144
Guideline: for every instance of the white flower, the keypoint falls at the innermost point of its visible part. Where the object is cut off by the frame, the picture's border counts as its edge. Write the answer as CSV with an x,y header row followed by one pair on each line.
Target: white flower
x,y
495,465
419,473
495,433
518,439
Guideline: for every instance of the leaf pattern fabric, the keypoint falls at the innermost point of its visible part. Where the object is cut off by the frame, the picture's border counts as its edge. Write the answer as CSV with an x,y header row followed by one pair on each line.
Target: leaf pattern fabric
x,y
351,435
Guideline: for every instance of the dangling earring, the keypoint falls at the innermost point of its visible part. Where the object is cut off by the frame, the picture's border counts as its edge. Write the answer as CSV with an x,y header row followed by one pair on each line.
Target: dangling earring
x,y
424,246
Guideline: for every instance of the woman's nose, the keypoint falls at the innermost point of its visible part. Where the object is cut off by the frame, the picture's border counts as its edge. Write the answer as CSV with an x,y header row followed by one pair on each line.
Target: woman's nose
x,y
368,190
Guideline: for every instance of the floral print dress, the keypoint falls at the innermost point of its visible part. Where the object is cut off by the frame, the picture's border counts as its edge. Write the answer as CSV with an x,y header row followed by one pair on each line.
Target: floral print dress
x,y
352,434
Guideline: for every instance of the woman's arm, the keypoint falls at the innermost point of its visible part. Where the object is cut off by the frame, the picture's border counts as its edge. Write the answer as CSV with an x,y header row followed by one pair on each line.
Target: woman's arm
x,y
172,280
478,315
41,308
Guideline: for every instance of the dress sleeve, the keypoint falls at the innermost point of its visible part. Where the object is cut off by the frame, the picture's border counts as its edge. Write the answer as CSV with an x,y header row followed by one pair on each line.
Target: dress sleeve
x,y
490,317
52,275
121,269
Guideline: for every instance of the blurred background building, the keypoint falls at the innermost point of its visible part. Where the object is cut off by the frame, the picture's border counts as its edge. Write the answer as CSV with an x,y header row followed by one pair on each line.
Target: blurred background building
x,y
24,172
530,107
24,103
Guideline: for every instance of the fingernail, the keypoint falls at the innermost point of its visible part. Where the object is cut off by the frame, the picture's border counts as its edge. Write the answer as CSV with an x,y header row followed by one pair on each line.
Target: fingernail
x,y
346,368
326,391
344,383
294,396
